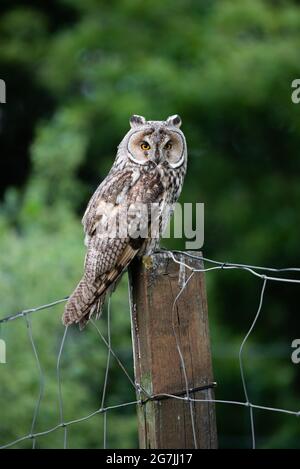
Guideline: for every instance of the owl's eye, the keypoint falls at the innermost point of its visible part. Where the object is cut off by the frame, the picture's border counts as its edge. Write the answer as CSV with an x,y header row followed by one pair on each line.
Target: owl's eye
x,y
145,146
168,146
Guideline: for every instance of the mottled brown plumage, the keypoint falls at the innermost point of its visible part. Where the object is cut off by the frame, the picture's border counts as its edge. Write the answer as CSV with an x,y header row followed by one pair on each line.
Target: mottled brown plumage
x,y
149,169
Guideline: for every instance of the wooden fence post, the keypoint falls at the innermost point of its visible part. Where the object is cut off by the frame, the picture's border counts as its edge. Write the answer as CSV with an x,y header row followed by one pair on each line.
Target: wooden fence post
x,y
153,287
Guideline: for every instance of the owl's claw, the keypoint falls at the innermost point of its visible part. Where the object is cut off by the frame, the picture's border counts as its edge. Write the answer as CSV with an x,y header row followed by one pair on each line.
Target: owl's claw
x,y
147,262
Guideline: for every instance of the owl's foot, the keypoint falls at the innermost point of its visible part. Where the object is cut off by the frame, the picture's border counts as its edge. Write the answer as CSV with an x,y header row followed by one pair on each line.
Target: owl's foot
x,y
147,262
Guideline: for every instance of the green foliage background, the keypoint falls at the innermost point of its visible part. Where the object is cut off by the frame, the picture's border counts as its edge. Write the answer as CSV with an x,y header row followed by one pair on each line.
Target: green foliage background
x,y
75,71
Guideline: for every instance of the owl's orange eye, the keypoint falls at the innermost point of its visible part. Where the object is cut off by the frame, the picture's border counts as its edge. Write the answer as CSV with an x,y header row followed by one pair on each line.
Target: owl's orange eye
x,y
168,146
145,146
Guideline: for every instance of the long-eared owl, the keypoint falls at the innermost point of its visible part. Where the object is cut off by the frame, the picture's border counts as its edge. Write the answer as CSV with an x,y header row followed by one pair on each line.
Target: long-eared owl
x,y
139,193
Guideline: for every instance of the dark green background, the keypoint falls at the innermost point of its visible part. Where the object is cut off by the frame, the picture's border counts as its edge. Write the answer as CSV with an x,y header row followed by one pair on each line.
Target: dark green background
x,y
75,71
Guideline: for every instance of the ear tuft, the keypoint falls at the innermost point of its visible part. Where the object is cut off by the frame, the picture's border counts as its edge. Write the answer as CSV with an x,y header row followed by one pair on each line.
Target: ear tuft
x,y
136,121
174,120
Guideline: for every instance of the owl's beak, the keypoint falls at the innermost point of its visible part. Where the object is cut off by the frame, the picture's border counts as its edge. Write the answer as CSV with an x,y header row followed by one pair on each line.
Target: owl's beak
x,y
156,157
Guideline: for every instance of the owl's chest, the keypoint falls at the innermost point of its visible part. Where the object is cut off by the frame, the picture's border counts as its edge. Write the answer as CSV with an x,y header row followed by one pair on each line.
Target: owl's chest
x,y
157,185
167,178
173,181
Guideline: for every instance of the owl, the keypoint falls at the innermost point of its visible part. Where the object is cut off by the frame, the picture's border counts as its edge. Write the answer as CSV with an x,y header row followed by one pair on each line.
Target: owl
x,y
139,192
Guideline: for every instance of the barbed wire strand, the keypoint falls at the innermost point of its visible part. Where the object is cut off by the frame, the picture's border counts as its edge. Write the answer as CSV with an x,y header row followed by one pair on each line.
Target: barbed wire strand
x,y
187,397
223,401
21,314
219,266
250,268
237,265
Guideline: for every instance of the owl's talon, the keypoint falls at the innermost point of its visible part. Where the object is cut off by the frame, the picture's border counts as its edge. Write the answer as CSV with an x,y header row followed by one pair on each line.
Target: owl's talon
x,y
147,262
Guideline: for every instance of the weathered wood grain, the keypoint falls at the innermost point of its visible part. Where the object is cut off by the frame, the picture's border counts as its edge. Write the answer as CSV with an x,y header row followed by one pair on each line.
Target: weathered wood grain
x,y
153,286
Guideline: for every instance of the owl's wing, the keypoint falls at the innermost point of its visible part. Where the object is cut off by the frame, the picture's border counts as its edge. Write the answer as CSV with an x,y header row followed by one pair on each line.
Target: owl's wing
x,y
110,190
108,257
107,253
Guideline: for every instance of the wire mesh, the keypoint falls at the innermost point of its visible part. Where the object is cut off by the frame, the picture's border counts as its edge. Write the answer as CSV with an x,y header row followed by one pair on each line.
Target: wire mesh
x,y
177,257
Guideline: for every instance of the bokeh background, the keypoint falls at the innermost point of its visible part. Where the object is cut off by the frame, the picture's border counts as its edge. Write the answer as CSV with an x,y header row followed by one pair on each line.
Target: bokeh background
x,y
75,71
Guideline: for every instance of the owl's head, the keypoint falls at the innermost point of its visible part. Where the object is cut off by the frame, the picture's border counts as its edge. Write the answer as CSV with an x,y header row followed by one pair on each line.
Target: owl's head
x,y
155,142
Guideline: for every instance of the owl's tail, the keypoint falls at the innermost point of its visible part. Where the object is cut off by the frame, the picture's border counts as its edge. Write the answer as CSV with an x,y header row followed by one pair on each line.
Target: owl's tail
x,y
88,298
84,301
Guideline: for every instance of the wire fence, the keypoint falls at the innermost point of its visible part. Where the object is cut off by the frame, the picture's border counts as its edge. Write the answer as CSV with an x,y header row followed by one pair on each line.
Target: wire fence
x,y
265,274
